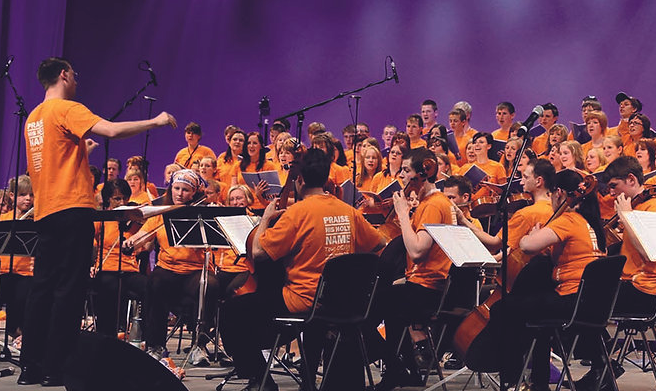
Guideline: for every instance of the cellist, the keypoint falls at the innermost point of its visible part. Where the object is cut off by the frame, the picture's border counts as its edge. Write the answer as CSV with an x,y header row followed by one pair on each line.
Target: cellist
x,y
576,238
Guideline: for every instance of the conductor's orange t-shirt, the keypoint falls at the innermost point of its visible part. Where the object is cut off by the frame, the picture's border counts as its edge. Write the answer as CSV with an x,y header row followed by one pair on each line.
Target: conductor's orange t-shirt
x,y
57,159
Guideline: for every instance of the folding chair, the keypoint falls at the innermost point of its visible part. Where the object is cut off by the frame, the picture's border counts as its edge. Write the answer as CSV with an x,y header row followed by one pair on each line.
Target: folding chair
x,y
594,305
342,301
632,325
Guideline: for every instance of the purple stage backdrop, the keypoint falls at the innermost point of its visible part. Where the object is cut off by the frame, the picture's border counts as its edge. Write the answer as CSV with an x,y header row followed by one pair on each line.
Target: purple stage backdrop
x,y
215,60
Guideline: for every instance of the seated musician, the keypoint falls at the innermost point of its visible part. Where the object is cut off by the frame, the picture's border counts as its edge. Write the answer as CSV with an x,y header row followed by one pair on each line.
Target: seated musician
x,y
298,243
458,189
177,272
426,268
15,283
576,238
638,290
537,179
115,193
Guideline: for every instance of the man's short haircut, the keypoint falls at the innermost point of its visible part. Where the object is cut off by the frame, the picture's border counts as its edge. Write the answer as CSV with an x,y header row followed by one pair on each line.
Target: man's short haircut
x,y
462,182
285,122
464,106
430,102
599,116
552,107
594,104
115,160
506,105
111,186
49,70
543,168
417,157
401,136
193,128
416,118
363,124
24,185
348,129
646,124
315,168
621,167
278,127
460,113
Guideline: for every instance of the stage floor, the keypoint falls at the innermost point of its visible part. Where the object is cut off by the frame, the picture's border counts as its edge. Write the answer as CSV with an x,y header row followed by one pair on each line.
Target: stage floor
x,y
633,380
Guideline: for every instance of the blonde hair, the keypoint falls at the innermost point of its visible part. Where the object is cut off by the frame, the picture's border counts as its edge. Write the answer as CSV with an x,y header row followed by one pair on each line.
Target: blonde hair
x,y
577,152
245,189
600,156
364,174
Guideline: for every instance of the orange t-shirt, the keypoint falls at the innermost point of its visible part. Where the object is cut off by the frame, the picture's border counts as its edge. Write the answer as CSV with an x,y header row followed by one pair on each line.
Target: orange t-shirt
x,y
640,270
338,174
224,171
500,134
366,183
578,247
186,157
629,147
381,181
57,158
606,205
236,172
622,130
179,260
418,143
141,199
495,171
225,262
539,144
434,209
312,231
23,266
111,248
522,221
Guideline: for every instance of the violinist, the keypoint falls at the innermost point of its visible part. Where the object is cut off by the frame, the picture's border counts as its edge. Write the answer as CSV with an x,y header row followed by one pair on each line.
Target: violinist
x,y
299,241
638,289
576,238
177,272
16,283
427,267
458,189
115,193
537,179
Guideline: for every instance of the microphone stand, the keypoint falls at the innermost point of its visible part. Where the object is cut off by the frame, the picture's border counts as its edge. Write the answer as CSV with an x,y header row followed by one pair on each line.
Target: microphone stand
x,y
150,100
502,206
300,114
5,355
355,158
264,111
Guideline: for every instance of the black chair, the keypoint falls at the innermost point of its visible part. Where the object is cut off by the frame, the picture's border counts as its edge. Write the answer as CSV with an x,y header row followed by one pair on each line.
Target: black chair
x,y
632,325
594,305
342,302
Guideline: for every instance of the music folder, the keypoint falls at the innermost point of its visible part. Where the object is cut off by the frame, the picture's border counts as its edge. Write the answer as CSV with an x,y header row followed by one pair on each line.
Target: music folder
x,y
642,225
460,244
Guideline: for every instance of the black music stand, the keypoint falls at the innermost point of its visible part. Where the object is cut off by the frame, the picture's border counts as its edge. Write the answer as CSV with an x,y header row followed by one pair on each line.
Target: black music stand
x,y
17,237
195,227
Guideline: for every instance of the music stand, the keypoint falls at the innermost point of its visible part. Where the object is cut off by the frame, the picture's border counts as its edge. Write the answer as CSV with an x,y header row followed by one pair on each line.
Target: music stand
x,y
22,242
195,227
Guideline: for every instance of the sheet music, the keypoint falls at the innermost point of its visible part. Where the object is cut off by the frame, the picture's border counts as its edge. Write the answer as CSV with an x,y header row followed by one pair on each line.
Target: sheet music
x,y
642,225
236,230
146,211
460,244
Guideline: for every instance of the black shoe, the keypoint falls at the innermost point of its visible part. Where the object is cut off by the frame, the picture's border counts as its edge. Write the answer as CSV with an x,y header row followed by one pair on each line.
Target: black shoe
x,y
391,380
591,378
29,375
254,384
52,381
453,363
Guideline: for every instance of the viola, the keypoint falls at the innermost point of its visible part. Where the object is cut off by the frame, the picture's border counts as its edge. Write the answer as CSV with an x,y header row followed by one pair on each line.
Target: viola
x,y
613,238
466,342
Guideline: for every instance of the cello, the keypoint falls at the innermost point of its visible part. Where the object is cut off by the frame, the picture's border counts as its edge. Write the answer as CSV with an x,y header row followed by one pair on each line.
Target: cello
x,y
468,342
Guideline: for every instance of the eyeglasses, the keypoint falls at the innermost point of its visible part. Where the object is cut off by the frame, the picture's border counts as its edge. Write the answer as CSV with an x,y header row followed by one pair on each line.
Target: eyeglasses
x,y
635,123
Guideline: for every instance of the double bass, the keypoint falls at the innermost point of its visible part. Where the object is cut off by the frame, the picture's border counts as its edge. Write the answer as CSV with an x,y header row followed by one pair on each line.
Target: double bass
x,y
468,342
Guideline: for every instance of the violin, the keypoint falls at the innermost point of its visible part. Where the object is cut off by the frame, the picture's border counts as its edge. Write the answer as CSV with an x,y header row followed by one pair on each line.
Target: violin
x,y
466,344
390,228
613,238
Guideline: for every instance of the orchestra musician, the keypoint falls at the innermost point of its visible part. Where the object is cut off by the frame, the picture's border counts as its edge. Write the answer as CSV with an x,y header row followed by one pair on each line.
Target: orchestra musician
x,y
537,179
576,238
426,268
297,240
57,161
459,190
115,193
15,283
177,273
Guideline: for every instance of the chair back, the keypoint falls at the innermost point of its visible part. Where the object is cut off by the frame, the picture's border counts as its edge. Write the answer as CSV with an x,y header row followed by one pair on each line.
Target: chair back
x,y
346,288
598,291
462,288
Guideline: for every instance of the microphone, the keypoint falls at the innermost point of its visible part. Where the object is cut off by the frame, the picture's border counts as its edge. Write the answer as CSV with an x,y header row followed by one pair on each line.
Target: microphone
x,y
395,75
152,73
528,124
5,69
150,98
